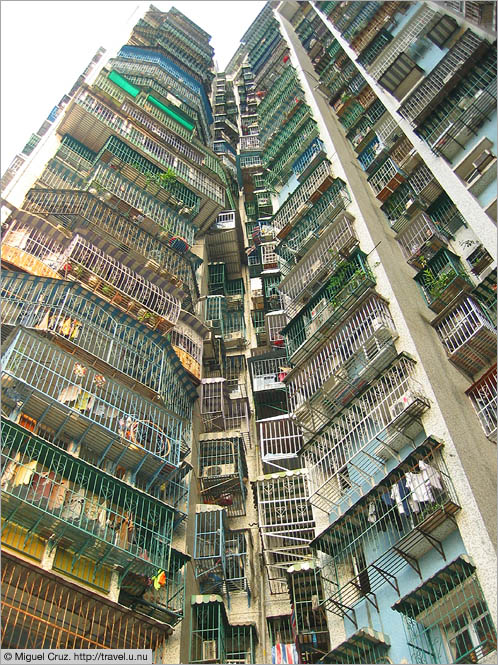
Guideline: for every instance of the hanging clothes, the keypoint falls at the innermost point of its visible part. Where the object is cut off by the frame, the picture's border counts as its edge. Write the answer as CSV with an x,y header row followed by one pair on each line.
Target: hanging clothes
x,y
85,401
74,505
24,473
400,494
420,491
431,476
372,512
284,654
10,470
69,394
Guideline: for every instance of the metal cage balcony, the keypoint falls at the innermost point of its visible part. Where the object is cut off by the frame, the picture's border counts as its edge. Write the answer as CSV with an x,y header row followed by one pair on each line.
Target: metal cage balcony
x,y
421,239
42,250
302,198
303,281
223,472
446,618
213,401
352,357
46,490
386,179
80,319
344,457
483,396
47,383
333,302
79,209
267,373
187,340
442,280
414,506
307,229
285,519
280,440
209,556
274,322
35,600
468,335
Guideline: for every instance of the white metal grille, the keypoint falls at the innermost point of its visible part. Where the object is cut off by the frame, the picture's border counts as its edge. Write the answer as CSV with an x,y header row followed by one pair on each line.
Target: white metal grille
x,y
483,397
343,458
468,336
280,440
310,273
417,235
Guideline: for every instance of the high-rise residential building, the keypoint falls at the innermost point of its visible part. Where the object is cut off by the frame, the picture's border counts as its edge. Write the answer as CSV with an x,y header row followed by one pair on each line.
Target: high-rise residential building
x,y
249,344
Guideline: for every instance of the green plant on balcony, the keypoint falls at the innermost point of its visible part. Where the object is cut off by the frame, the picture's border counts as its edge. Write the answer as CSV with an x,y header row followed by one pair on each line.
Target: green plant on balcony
x,y
108,291
436,284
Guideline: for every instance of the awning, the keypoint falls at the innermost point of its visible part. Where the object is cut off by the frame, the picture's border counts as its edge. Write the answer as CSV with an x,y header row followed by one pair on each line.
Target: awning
x,y
304,565
429,591
355,646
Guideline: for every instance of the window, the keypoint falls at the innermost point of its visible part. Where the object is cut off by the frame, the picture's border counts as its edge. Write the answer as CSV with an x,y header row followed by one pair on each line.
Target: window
x,y
442,31
397,72
468,635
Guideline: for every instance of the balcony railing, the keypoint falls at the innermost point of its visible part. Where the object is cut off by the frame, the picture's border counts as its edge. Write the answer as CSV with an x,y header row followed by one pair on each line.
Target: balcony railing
x,y
468,335
445,75
307,229
267,373
411,527
68,311
332,303
280,440
311,273
44,486
343,457
484,400
302,198
82,208
249,143
351,358
31,364
442,280
420,240
386,179
76,124
26,245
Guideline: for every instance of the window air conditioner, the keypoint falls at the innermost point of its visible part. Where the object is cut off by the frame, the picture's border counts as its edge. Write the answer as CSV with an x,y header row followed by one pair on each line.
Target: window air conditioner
x,y
209,650
218,470
401,404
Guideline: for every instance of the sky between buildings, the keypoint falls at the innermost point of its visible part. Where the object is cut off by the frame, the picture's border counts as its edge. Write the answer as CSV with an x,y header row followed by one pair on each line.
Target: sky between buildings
x,y
46,44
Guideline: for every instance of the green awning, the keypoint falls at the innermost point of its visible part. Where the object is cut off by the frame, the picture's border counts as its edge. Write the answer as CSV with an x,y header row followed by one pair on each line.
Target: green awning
x,y
169,111
123,83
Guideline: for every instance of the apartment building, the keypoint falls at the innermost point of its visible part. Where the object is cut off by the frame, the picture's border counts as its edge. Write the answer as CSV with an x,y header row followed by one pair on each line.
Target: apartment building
x,y
249,344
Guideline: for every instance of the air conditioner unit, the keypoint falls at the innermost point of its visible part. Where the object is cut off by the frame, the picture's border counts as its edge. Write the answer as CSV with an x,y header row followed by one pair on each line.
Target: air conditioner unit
x,y
218,470
400,404
209,651
483,159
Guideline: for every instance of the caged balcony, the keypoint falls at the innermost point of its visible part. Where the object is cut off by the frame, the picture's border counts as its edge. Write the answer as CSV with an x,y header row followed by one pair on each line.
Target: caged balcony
x,y
386,179
355,354
442,280
269,259
451,69
421,239
267,372
165,604
42,250
223,472
213,400
468,334
306,195
274,322
446,618
311,273
114,232
280,440
187,340
356,562
308,228
333,302
483,396
209,548
80,320
74,401
344,456
57,495
286,523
